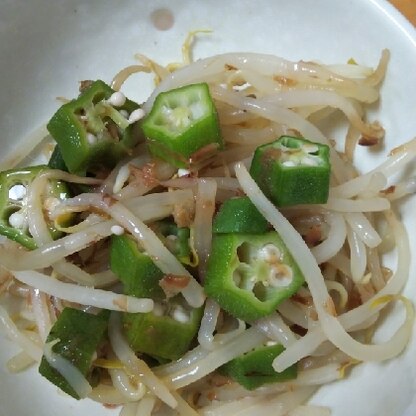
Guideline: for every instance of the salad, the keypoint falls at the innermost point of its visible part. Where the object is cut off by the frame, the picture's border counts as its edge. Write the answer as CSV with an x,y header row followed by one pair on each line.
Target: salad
x,y
209,251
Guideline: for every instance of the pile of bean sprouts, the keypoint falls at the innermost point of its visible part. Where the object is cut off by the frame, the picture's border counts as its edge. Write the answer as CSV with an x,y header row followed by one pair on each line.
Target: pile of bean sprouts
x,y
339,246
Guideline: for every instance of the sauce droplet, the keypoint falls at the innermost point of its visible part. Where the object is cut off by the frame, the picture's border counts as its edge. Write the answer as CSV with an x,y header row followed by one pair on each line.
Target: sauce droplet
x,y
162,19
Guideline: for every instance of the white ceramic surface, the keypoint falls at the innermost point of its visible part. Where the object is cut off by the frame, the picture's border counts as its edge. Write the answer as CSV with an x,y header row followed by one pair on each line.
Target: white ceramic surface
x,y
46,47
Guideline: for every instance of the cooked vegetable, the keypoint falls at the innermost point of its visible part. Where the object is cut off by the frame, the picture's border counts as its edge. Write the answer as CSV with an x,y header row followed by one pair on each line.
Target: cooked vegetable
x,y
239,215
143,226
181,122
13,203
168,330
175,238
56,161
292,171
136,270
78,335
249,275
95,130
254,368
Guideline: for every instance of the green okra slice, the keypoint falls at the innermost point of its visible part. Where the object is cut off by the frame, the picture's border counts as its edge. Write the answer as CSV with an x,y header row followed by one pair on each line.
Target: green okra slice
x,y
254,368
166,332
249,275
93,134
181,122
79,335
169,329
14,208
292,171
239,215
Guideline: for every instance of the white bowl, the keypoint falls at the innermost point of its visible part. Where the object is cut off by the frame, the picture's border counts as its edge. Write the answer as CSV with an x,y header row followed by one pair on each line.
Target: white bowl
x,y
47,47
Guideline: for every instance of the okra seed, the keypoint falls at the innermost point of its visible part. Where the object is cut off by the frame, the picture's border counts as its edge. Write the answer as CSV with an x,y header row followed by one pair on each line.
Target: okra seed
x,y
310,161
310,148
117,99
197,110
18,220
179,314
269,253
304,155
280,276
17,192
136,115
117,230
91,139
176,118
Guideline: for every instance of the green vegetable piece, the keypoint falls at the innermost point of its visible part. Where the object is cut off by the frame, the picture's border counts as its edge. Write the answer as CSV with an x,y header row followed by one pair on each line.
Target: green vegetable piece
x,y
13,203
79,334
292,171
239,215
181,122
167,336
136,270
254,368
175,238
91,134
56,160
249,275
167,331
